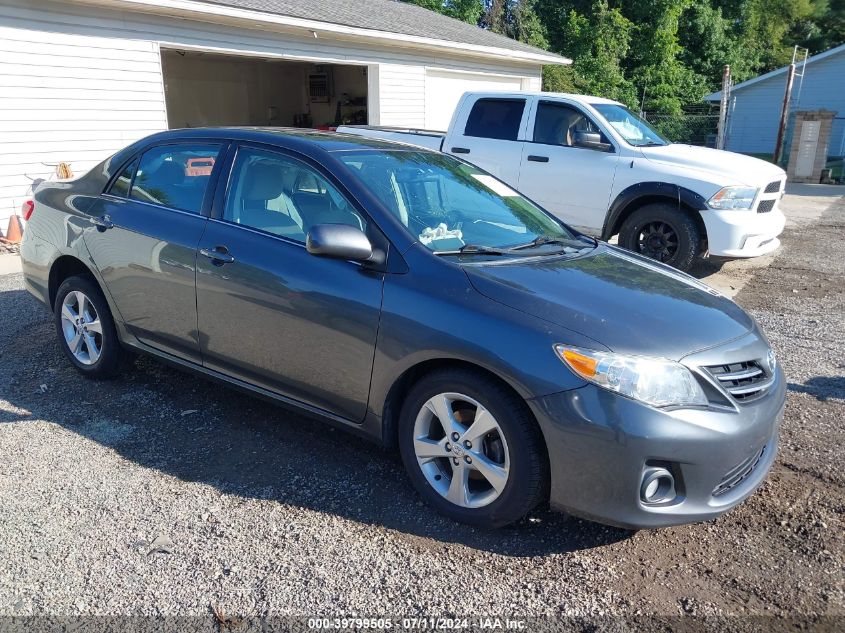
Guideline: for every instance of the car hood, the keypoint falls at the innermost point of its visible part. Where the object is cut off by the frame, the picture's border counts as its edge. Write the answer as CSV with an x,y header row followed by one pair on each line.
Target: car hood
x,y
725,168
627,303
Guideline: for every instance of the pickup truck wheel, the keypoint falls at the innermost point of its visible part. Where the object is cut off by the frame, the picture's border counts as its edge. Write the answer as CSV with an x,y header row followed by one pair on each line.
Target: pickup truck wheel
x,y
86,329
472,449
662,232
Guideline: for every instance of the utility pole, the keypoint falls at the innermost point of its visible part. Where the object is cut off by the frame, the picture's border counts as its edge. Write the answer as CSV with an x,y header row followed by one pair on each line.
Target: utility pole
x,y
721,131
784,112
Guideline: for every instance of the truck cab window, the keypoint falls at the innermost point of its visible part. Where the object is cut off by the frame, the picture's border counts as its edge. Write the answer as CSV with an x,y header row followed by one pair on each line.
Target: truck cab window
x,y
557,124
495,118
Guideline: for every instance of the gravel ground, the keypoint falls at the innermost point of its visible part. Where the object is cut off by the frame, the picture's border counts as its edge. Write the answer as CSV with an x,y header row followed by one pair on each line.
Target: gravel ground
x,y
161,494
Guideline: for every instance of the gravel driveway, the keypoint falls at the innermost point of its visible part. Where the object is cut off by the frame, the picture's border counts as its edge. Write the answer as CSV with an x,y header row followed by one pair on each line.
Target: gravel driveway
x,y
162,494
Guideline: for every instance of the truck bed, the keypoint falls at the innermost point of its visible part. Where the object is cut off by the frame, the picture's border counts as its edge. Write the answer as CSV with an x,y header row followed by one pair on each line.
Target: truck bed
x,y
429,139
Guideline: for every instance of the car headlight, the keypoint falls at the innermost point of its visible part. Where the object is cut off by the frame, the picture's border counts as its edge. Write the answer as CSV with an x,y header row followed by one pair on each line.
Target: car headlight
x,y
654,381
733,198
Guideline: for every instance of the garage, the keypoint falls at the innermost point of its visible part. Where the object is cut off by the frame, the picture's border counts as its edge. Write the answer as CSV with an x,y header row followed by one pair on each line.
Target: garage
x,y
208,89
81,79
443,89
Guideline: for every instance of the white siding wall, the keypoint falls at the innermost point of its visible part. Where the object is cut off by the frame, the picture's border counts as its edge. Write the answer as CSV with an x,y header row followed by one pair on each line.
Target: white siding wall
x,y
78,82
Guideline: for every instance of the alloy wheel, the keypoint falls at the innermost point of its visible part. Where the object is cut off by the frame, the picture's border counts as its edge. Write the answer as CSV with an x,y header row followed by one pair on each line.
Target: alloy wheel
x,y
82,328
658,240
461,450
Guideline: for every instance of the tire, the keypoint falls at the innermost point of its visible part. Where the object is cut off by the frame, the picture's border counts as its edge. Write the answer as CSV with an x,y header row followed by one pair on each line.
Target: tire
x,y
679,243
98,350
515,447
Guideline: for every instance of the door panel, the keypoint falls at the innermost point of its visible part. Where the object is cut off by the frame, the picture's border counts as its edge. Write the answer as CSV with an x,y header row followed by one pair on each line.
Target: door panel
x,y
147,262
488,137
288,321
574,183
144,237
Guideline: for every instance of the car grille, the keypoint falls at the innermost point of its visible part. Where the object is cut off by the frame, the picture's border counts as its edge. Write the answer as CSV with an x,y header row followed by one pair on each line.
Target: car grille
x,y
773,187
738,473
765,206
745,381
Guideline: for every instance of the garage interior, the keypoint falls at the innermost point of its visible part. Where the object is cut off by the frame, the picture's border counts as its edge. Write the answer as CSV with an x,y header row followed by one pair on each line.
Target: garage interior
x,y
211,89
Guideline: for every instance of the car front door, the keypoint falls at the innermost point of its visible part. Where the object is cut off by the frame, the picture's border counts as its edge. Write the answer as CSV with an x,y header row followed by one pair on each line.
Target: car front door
x,y
270,313
569,179
144,236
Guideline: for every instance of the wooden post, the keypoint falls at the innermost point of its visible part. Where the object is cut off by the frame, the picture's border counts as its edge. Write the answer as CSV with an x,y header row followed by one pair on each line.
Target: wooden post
x,y
784,113
721,131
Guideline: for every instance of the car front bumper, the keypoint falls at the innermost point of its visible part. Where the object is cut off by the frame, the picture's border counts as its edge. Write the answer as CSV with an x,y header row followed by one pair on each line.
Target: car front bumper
x,y
600,445
742,233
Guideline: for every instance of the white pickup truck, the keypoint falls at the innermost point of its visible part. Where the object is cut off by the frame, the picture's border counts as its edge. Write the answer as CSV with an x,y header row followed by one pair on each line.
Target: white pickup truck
x,y
603,170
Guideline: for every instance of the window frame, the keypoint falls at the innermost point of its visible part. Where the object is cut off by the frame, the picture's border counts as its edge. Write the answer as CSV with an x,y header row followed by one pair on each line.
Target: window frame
x,y
532,125
211,187
515,139
226,183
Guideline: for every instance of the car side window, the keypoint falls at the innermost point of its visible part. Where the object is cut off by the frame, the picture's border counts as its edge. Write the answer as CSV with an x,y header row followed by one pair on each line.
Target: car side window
x,y
121,184
495,118
175,176
557,124
283,196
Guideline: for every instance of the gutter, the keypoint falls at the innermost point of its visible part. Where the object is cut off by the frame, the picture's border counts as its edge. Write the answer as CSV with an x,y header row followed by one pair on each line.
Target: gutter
x,y
314,28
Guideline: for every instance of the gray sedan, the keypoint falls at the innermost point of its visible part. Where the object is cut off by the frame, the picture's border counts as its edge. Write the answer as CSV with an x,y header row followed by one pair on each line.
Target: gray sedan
x,y
418,301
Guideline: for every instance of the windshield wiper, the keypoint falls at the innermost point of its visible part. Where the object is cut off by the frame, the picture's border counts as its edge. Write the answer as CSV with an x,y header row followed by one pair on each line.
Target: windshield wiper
x,y
540,240
475,249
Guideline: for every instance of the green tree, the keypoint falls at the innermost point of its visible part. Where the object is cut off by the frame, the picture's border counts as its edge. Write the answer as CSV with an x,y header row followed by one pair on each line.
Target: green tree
x,y
463,10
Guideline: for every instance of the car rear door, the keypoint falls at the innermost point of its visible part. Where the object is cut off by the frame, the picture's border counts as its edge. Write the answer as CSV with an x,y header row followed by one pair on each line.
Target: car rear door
x,y
570,181
270,313
487,133
143,239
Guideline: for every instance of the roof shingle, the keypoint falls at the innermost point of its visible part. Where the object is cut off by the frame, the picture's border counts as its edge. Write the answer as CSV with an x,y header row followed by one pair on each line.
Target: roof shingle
x,y
391,16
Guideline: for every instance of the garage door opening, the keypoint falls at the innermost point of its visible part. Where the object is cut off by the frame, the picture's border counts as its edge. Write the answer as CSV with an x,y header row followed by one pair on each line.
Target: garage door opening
x,y
210,89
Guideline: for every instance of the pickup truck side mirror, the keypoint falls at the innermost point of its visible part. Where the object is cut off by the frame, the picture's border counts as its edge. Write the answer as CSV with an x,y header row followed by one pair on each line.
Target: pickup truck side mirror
x,y
591,140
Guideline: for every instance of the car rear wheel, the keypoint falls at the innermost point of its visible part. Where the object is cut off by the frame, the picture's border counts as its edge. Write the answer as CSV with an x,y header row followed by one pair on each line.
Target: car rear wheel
x,y
662,232
472,449
86,329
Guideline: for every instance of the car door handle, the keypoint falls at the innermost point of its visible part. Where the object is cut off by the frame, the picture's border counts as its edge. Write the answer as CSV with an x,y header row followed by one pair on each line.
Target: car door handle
x,y
460,150
103,223
538,159
218,255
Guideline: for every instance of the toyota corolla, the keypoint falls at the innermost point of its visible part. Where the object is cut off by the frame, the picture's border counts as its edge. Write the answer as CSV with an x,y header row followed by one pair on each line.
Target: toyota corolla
x,y
418,301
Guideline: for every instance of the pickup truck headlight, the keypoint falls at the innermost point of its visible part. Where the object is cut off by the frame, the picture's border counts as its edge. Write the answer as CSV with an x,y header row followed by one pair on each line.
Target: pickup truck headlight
x,y
733,198
654,381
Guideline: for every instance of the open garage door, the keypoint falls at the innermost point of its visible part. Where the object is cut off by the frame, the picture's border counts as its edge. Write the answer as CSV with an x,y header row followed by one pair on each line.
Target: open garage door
x,y
209,89
443,89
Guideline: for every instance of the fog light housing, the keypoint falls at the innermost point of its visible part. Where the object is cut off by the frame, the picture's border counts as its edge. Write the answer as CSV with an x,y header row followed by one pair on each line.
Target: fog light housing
x,y
658,486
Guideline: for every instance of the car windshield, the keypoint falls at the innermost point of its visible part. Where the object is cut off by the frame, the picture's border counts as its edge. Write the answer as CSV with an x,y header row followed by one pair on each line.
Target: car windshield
x,y
451,206
632,128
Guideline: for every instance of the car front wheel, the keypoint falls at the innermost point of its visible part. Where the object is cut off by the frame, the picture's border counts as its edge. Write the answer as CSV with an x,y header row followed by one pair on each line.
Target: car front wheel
x,y
472,449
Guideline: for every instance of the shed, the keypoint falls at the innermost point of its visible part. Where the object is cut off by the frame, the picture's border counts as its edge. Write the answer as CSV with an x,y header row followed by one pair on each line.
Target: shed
x,y
756,104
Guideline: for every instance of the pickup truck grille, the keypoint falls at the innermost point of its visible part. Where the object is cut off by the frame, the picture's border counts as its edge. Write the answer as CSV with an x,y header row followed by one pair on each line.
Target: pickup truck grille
x,y
745,381
738,473
772,187
765,206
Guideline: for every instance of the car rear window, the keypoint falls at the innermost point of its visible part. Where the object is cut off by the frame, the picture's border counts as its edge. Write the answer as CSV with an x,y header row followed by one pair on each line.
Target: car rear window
x,y
175,176
495,118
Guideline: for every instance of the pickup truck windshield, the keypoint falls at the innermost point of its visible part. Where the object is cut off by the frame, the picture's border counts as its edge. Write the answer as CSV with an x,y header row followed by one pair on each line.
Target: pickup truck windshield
x,y
629,126
451,206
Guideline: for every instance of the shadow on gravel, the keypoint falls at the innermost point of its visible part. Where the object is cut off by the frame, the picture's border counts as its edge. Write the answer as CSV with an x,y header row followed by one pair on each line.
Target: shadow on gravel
x,y
198,431
822,388
706,267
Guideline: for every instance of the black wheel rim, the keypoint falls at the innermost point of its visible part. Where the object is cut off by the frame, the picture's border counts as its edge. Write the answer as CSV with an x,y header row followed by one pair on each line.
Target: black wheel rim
x,y
658,240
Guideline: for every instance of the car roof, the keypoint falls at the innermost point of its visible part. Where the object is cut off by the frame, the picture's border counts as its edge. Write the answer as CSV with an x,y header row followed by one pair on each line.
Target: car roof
x,y
587,99
301,139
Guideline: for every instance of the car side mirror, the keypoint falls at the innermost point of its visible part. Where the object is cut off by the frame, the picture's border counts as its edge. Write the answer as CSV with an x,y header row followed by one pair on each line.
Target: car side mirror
x,y
340,241
591,140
